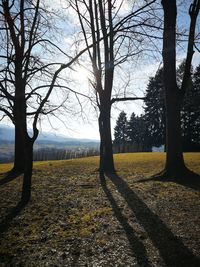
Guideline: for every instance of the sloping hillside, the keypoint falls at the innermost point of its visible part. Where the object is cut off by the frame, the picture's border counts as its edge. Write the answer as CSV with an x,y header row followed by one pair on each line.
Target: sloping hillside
x,y
76,218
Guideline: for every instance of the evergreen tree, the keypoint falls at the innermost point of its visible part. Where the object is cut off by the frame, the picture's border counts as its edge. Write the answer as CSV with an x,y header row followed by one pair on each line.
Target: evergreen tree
x,y
191,114
133,132
142,134
120,130
131,129
155,109
137,132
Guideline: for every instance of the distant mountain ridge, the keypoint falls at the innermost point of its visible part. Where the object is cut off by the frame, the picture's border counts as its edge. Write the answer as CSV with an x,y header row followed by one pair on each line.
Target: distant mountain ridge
x,y
7,134
48,146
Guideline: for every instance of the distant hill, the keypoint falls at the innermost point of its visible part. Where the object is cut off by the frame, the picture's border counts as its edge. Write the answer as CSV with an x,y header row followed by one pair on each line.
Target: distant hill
x,y
7,134
46,141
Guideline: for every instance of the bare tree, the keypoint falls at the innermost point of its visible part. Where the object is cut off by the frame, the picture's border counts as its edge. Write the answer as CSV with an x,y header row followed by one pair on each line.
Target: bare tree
x,y
116,40
23,35
27,79
175,165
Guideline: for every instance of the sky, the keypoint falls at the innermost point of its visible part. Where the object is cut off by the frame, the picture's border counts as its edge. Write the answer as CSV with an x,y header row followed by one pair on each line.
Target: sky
x,y
86,125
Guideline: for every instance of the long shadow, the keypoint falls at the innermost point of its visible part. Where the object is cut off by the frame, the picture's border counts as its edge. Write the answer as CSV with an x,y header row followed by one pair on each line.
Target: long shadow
x,y
137,247
191,180
171,248
9,176
5,222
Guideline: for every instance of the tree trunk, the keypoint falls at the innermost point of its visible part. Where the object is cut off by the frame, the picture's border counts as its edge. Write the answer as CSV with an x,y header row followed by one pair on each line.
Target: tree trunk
x,y
26,188
106,151
19,114
19,157
174,156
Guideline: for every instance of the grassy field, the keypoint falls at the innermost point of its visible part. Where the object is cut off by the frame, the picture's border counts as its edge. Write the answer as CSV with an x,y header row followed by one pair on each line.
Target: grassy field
x,y
143,163
76,218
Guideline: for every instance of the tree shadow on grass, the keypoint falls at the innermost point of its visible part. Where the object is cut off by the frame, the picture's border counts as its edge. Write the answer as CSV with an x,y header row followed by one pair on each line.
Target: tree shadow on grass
x,y
136,245
190,179
8,177
5,222
170,247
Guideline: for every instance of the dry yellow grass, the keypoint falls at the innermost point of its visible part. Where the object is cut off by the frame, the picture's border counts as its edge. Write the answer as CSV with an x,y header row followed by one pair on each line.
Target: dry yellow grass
x,y
147,163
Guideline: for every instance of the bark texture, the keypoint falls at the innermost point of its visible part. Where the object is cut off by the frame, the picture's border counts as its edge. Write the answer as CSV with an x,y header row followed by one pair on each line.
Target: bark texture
x,y
174,155
173,95
106,150
19,157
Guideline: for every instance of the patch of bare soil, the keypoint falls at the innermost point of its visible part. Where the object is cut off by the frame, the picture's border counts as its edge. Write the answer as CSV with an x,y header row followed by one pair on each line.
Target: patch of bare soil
x,y
76,218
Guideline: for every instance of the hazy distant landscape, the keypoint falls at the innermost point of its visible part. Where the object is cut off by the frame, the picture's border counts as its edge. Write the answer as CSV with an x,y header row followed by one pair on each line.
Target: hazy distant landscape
x,y
46,144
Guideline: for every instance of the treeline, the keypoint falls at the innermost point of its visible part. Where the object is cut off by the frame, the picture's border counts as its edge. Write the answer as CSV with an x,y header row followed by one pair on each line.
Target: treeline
x,y
60,154
54,153
141,133
130,135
